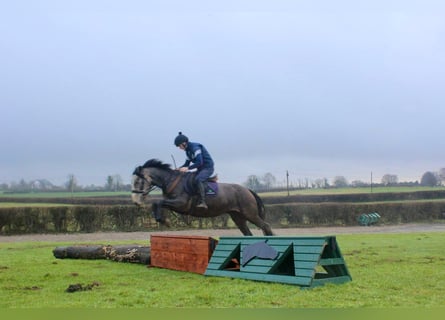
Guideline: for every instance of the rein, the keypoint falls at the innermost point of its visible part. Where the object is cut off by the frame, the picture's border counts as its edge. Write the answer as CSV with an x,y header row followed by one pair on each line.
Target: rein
x,y
144,192
151,187
174,184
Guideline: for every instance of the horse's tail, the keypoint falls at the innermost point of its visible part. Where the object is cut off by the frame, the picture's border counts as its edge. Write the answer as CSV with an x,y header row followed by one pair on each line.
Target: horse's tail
x,y
260,205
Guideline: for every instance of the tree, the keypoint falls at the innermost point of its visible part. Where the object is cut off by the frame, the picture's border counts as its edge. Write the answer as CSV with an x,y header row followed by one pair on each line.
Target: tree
x,y
41,184
269,180
340,182
359,183
321,183
23,185
71,184
118,182
442,175
429,179
110,183
114,183
253,182
303,184
390,179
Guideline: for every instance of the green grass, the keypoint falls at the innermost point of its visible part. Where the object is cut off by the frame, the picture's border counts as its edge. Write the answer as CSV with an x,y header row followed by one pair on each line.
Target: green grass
x,y
39,204
388,270
263,194
64,194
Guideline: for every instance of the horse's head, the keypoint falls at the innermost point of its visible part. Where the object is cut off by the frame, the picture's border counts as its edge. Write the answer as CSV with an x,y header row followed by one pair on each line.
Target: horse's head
x,y
152,174
141,185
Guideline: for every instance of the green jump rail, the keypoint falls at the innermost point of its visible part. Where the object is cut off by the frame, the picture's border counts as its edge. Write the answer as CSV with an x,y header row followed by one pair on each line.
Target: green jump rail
x,y
302,261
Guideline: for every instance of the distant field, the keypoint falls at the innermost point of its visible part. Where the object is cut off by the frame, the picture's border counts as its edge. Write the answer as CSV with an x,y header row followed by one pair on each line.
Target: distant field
x,y
64,194
263,194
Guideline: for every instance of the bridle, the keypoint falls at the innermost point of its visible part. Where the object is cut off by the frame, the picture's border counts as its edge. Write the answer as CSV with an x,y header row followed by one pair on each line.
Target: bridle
x,y
169,187
146,191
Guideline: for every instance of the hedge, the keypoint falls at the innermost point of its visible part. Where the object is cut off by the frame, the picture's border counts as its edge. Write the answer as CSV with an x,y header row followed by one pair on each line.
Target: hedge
x,y
346,214
356,197
66,219
70,219
305,198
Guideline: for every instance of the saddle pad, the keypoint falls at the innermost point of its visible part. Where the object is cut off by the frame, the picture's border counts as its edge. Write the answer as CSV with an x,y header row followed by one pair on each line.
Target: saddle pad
x,y
212,188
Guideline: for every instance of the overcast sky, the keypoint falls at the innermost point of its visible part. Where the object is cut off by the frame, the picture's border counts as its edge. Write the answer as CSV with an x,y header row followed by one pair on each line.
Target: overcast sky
x,y
318,88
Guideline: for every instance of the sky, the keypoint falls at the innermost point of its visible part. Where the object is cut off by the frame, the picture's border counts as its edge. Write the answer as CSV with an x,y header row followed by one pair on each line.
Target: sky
x,y
317,89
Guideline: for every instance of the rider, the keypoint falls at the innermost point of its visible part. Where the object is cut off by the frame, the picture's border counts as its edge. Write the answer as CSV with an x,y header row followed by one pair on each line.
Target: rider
x,y
197,158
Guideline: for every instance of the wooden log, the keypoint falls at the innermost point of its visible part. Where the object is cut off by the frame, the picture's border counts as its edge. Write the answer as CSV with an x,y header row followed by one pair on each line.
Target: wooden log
x,y
135,254
120,253
80,252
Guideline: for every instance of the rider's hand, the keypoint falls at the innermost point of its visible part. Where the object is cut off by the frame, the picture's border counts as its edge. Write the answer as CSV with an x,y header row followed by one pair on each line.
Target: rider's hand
x,y
183,169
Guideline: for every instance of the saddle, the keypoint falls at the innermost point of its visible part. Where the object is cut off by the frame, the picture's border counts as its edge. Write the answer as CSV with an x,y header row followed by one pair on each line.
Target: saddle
x,y
213,178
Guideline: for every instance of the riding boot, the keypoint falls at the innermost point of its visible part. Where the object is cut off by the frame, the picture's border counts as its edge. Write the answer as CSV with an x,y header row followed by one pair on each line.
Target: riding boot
x,y
202,193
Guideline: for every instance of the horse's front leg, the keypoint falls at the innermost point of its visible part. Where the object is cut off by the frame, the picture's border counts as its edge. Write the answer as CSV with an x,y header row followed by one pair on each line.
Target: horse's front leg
x,y
172,204
157,212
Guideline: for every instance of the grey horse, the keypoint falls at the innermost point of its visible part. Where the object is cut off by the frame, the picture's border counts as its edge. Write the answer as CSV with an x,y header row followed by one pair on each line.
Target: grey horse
x,y
242,204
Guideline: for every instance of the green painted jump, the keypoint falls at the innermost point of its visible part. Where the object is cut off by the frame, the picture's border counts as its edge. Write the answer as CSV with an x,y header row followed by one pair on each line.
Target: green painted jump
x,y
302,261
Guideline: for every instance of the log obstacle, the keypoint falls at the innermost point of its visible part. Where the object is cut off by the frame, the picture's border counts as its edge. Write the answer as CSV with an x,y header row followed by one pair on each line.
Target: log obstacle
x,y
120,253
302,261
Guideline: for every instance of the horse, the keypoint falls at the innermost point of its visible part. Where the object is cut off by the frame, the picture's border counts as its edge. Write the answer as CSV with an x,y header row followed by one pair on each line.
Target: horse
x,y
242,204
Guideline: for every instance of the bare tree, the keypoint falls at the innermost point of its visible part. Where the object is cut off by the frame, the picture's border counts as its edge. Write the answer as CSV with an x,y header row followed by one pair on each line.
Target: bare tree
x,y
114,183
118,182
358,183
340,182
253,182
71,184
269,180
321,183
442,175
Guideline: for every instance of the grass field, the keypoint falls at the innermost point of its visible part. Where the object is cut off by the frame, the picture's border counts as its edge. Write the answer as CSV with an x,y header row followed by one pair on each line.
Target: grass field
x,y
67,195
388,270
263,194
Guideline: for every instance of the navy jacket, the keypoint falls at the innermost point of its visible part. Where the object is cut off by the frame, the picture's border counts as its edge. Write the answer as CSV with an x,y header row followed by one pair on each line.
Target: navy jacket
x,y
198,155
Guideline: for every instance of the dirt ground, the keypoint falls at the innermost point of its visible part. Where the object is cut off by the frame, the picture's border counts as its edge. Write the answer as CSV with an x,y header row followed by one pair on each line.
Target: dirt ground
x,y
143,236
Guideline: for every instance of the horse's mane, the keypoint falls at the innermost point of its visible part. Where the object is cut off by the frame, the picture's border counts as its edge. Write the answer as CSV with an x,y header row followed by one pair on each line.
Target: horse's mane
x,y
155,163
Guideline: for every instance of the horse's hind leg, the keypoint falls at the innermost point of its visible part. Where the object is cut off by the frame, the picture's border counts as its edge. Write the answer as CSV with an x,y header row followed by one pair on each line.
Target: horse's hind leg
x,y
241,223
267,231
263,225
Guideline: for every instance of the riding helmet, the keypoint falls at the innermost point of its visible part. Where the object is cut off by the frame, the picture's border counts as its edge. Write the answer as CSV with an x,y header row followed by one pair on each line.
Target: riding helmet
x,y
180,139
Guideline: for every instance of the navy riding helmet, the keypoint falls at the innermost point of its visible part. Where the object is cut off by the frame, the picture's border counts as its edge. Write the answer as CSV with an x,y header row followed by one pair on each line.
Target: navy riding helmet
x,y
180,139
